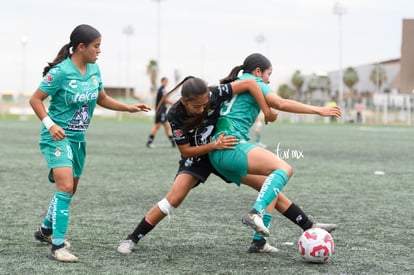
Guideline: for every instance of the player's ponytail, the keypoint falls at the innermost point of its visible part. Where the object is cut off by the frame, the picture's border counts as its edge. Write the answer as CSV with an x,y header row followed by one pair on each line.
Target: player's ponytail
x,y
232,76
63,53
253,61
166,95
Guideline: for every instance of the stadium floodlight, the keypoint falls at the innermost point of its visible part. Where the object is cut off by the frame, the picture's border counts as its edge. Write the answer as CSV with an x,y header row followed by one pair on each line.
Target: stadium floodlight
x,y
23,40
158,39
340,10
128,31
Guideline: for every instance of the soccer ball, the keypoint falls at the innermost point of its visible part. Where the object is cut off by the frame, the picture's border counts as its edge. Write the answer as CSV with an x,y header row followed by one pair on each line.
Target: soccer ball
x,y
316,245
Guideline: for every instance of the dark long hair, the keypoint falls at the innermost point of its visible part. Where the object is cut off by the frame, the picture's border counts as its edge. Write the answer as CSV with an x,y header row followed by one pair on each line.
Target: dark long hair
x,y
81,34
192,87
253,61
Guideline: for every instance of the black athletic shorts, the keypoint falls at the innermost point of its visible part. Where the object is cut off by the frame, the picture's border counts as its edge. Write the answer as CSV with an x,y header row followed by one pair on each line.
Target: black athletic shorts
x,y
161,117
198,167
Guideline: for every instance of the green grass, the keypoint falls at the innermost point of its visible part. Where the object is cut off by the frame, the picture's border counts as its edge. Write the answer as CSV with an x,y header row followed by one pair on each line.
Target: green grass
x,y
334,181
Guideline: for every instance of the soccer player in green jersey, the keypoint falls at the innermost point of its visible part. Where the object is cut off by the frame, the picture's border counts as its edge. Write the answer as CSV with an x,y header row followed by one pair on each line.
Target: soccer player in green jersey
x,y
73,83
236,118
193,118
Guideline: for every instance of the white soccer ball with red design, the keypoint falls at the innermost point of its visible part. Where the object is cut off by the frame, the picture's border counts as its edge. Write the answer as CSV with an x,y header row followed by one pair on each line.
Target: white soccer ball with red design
x,y
316,245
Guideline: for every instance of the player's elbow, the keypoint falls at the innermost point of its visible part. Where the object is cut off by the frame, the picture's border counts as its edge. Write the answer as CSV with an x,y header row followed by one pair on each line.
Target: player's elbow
x,y
187,154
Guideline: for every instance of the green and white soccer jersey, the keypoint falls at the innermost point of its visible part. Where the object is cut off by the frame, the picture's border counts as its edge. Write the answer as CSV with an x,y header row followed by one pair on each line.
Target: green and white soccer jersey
x,y
73,97
73,101
236,118
238,114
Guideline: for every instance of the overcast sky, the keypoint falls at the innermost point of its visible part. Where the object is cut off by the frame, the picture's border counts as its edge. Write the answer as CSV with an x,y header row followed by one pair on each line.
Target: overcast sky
x,y
205,38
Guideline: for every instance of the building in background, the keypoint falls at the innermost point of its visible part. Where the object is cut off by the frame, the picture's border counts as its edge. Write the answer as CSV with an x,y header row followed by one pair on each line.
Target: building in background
x,y
406,81
391,101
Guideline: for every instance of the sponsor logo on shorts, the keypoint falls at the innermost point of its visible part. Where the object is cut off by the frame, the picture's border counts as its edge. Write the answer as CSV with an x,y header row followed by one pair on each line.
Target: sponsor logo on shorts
x,y
58,153
188,162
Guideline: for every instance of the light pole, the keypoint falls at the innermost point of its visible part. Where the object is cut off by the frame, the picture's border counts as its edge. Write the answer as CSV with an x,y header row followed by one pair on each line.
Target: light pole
x,y
340,10
128,31
158,38
260,39
23,40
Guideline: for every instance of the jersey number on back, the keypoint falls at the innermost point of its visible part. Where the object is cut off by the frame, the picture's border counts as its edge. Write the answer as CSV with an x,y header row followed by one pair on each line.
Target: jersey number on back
x,y
225,109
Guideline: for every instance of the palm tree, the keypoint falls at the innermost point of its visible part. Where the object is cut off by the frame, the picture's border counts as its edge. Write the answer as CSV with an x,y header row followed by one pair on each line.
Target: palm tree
x,y
285,91
152,71
320,83
297,81
350,78
378,76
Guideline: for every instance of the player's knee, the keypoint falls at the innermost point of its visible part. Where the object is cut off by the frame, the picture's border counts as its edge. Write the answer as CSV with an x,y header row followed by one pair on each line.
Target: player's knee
x,y
165,206
286,168
289,171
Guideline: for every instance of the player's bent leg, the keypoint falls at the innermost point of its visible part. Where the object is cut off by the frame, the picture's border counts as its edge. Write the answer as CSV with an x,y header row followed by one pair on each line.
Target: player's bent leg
x,y
181,187
294,213
157,212
264,162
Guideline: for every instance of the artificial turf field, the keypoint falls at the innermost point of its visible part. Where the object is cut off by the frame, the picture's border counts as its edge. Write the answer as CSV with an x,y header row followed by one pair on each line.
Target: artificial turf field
x,y
334,181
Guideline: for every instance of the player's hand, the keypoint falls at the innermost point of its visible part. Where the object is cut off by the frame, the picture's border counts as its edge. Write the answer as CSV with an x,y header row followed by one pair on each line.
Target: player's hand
x,y
57,132
138,107
270,116
334,111
225,142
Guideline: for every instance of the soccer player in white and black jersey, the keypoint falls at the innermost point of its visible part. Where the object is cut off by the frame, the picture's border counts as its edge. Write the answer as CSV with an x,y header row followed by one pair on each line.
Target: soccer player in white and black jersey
x,y
193,119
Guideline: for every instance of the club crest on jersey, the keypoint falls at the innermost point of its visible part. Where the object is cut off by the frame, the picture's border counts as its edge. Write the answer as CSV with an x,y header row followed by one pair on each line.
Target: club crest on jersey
x,y
178,133
48,78
95,81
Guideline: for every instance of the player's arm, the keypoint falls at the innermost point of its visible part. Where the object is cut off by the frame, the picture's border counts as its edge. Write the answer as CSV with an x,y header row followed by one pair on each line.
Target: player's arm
x,y
221,143
256,92
109,103
292,106
36,102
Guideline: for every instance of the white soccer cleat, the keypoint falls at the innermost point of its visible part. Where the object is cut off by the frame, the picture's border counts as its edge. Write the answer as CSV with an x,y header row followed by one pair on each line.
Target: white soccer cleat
x,y
267,248
326,226
255,221
126,247
62,255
